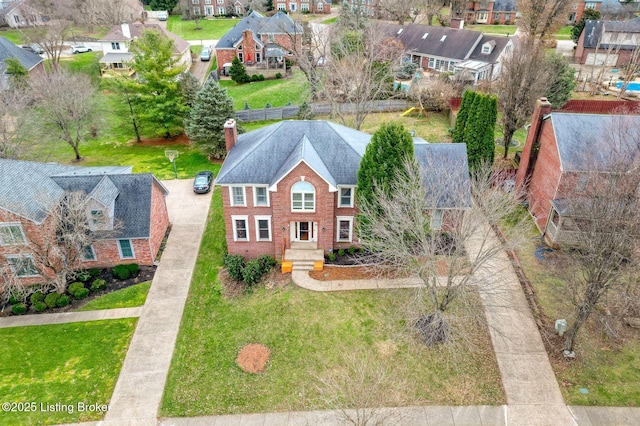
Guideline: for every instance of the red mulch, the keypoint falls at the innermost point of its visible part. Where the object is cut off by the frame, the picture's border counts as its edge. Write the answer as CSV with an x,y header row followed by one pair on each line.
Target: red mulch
x,y
253,358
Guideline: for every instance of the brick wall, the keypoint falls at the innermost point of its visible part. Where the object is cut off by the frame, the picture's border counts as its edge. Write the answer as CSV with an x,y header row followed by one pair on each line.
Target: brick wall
x,y
107,254
624,56
224,56
248,46
159,218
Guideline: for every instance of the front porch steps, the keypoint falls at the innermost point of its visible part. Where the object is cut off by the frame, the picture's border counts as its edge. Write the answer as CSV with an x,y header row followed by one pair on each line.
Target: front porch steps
x,y
303,259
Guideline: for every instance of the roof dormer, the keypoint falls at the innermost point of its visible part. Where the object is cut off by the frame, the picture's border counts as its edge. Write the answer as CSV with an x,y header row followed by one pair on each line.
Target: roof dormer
x,y
488,47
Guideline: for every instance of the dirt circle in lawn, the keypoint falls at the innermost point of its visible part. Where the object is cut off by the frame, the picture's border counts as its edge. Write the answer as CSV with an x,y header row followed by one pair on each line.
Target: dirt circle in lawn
x,y
253,358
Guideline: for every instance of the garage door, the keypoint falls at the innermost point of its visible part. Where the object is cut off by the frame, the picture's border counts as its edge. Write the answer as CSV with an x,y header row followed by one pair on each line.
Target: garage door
x,y
600,58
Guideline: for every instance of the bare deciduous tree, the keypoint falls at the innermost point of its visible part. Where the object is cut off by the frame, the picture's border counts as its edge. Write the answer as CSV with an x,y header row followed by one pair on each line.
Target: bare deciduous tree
x,y
15,125
397,10
541,19
631,69
51,37
359,72
523,79
407,233
67,106
433,94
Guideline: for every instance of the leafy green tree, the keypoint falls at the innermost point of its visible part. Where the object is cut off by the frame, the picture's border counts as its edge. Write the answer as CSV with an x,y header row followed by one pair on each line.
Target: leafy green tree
x,y
587,15
463,114
561,80
18,74
238,72
125,90
383,159
211,108
158,93
167,5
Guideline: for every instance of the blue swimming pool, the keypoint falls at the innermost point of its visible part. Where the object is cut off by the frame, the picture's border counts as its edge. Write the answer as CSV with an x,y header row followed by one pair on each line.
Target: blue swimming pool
x,y
634,86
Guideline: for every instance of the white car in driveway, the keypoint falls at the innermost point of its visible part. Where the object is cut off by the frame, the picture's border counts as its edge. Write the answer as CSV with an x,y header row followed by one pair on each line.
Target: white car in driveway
x,y
78,48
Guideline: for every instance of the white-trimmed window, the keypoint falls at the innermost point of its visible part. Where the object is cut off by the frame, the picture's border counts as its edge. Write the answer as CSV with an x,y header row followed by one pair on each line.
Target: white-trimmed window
x,y
115,45
260,196
344,230
240,228
220,1
222,10
292,7
125,249
303,197
263,228
240,55
282,6
22,265
319,5
482,16
304,7
11,234
590,5
345,194
436,220
237,196
88,253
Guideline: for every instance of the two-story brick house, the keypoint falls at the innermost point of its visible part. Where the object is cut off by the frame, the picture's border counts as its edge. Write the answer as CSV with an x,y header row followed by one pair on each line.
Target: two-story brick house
x,y
293,183
490,12
566,153
312,6
207,8
612,43
260,41
132,205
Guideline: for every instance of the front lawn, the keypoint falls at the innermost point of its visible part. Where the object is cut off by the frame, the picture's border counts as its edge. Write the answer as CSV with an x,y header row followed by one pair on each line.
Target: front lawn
x,y
210,29
277,92
309,334
129,297
66,364
493,29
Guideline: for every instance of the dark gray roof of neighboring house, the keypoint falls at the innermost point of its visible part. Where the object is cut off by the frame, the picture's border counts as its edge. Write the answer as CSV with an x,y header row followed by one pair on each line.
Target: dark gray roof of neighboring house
x,y
279,23
504,6
458,44
593,31
594,142
29,189
445,174
136,29
264,156
10,50
499,43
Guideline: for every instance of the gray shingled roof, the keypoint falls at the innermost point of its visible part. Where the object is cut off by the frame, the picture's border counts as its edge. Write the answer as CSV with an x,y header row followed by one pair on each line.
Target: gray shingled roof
x,y
279,23
499,44
266,155
445,174
10,50
504,6
594,141
593,31
457,44
29,189
136,29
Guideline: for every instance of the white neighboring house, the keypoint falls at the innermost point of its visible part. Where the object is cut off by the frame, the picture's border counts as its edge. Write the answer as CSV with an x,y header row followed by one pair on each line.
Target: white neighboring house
x,y
18,14
115,46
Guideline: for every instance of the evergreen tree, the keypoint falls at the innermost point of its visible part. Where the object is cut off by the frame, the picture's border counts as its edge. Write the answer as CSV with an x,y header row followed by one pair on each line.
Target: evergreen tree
x,y
588,14
167,5
463,114
189,86
562,80
211,109
238,72
383,158
18,74
479,130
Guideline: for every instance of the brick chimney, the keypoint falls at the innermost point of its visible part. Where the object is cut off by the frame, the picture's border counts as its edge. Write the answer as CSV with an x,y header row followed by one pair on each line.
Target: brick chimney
x,y
532,143
457,23
126,32
230,134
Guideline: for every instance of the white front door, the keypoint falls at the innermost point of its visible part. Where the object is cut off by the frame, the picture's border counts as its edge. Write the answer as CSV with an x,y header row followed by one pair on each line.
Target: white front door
x,y
208,10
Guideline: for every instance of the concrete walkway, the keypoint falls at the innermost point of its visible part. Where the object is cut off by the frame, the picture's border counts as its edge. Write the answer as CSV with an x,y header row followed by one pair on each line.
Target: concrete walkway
x,y
66,317
302,279
138,392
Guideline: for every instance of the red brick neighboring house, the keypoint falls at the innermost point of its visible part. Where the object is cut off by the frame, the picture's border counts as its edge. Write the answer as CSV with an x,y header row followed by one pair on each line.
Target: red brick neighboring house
x,y
611,43
33,63
295,181
491,12
313,6
564,153
260,41
29,190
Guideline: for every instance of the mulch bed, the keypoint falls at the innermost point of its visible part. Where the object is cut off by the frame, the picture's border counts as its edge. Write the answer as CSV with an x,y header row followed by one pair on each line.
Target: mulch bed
x,y
253,358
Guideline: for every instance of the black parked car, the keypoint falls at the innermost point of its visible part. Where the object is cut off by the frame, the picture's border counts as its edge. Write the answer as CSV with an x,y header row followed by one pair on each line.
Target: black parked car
x,y
202,182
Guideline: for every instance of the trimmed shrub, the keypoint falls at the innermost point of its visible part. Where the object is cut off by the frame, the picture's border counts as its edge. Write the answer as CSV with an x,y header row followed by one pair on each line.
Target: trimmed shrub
x,y
80,294
133,268
341,252
94,272
278,75
234,265
98,285
74,287
266,263
51,299
254,77
252,272
121,272
19,309
246,105
40,306
36,297
14,299
84,276
351,250
267,105
332,256
260,77
64,300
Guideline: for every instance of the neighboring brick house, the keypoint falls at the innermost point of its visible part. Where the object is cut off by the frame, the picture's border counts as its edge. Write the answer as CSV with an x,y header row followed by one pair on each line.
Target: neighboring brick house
x,y
563,154
133,205
115,46
33,63
294,182
502,12
260,41
576,15
313,6
217,7
611,43
445,49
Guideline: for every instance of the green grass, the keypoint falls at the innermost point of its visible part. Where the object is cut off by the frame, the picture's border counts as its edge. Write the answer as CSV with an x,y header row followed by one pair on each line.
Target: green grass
x,y
86,63
609,370
210,29
494,29
14,36
432,128
277,92
62,363
308,333
129,297
329,21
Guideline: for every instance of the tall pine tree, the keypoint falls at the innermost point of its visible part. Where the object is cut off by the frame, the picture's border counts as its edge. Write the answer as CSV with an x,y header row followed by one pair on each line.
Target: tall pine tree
x,y
463,114
211,109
